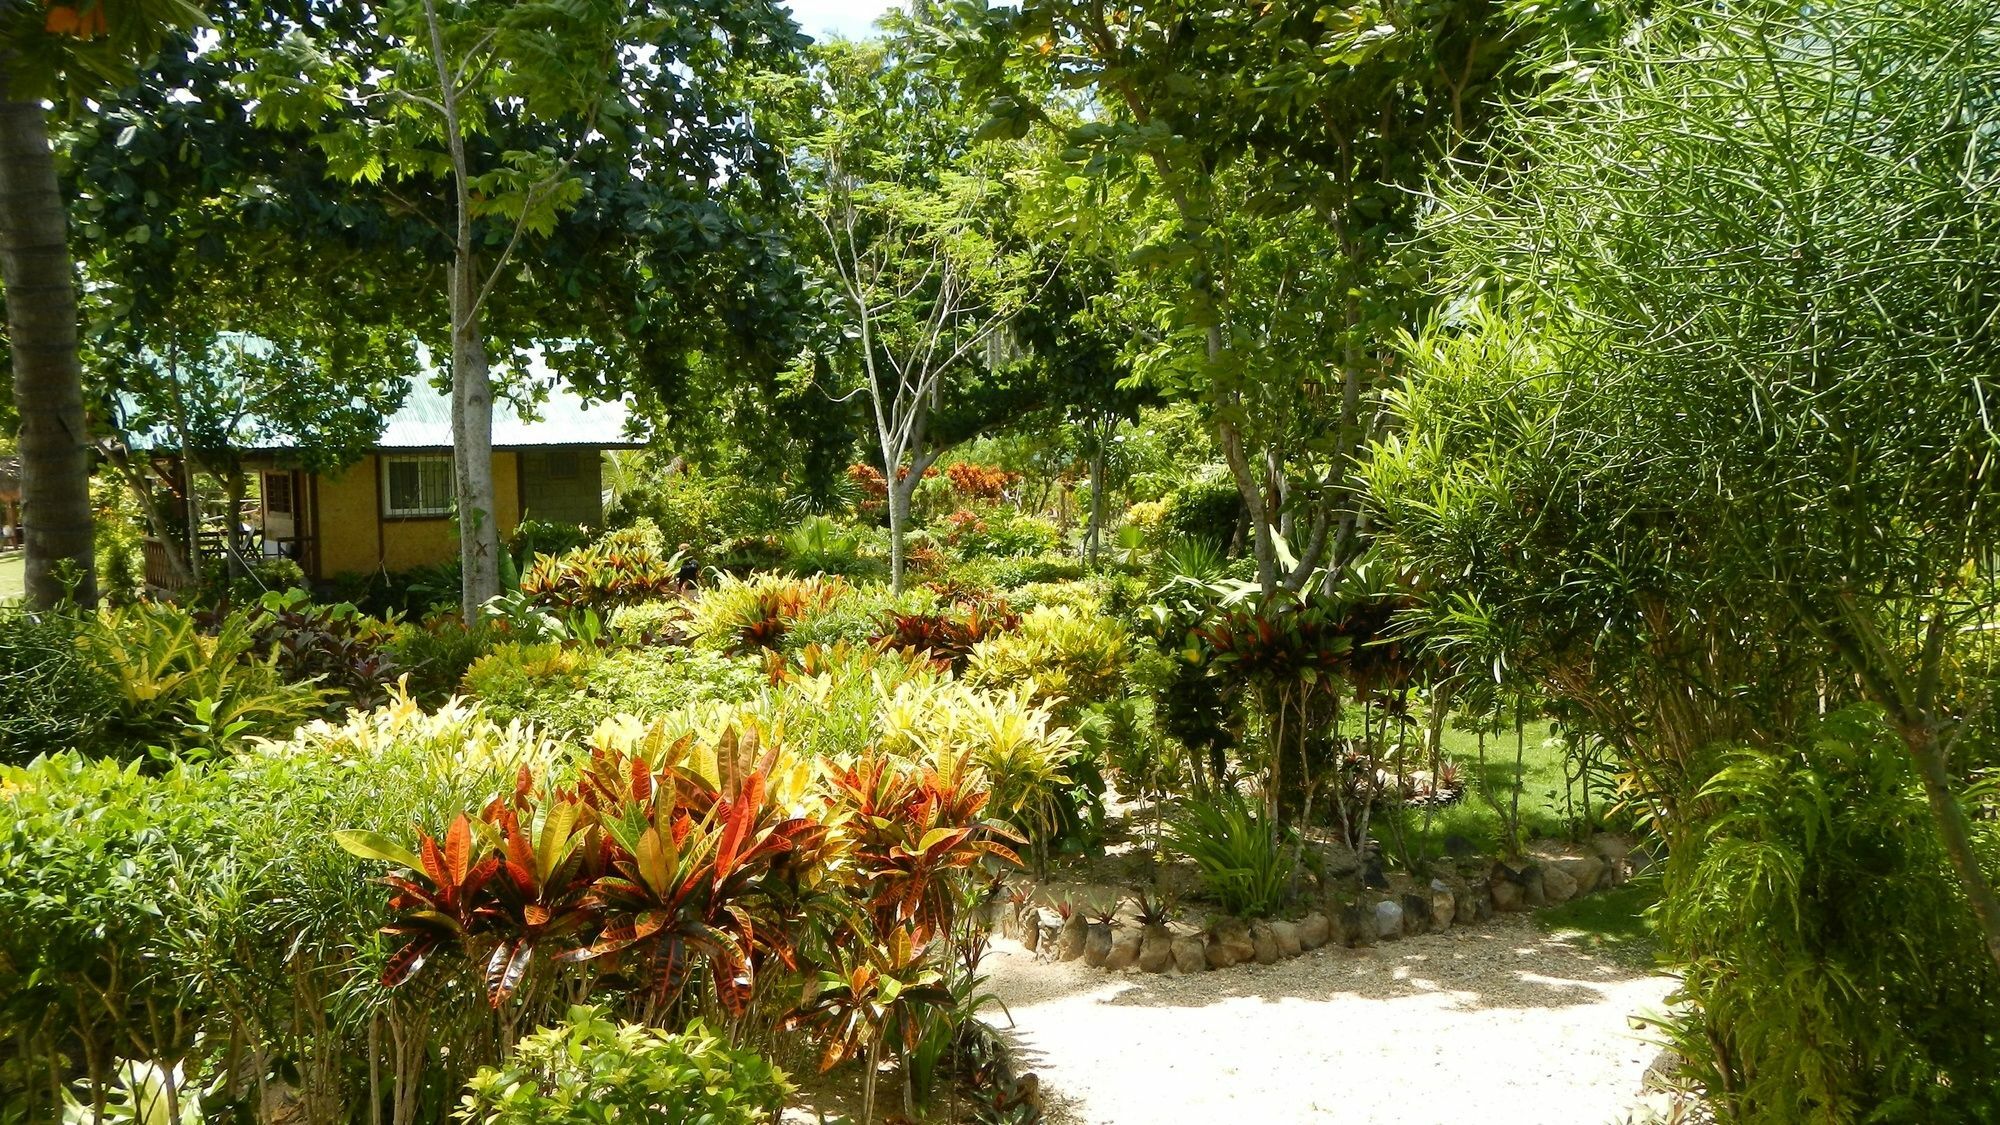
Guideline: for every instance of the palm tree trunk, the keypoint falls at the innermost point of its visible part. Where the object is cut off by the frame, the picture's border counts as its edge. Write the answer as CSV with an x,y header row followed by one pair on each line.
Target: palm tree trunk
x,y
48,377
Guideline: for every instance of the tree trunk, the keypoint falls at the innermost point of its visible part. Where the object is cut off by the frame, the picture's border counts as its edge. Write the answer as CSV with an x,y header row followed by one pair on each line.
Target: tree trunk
x,y
472,450
900,492
471,377
48,377
1094,537
1954,831
236,487
139,486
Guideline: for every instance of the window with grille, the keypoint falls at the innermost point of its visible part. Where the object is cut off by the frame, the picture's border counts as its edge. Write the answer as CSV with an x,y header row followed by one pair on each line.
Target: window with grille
x,y
416,486
561,464
278,493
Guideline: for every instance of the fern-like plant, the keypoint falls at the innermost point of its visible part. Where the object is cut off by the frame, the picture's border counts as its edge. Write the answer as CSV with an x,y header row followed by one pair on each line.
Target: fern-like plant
x,y
1244,865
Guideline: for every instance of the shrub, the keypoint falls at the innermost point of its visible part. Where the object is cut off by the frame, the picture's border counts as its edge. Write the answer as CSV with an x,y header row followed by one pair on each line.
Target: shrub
x,y
589,1069
50,697
336,646
744,616
434,655
856,619
533,537
222,587
177,690
88,858
1001,533
980,482
652,623
947,636
1062,656
1147,516
1813,854
819,545
522,681
1013,740
1078,596
1244,865
1205,508
747,554
598,578
648,682
1009,573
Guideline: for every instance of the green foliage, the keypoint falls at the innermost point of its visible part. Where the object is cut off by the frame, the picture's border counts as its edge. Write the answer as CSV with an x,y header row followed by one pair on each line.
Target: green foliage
x,y
1805,1008
819,545
948,635
1244,864
336,647
50,697
533,537
856,619
178,690
694,507
1001,532
599,577
517,681
169,916
435,654
744,616
590,1069
1205,510
120,546
1067,658
1020,570
220,586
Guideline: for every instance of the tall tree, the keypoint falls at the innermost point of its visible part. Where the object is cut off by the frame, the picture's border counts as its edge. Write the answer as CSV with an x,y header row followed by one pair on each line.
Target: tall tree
x,y
55,52
1741,411
1273,166
189,216
492,118
913,225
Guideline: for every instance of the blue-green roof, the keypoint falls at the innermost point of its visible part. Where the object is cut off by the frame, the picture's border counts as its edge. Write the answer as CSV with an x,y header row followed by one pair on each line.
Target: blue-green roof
x,y
424,422
564,418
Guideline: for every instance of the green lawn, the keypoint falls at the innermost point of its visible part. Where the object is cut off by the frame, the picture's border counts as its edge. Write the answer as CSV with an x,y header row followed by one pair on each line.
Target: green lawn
x,y
10,578
1548,804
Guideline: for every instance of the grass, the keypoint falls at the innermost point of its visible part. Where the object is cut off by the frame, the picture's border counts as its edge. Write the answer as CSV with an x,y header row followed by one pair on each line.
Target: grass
x,y
1548,805
1611,922
12,580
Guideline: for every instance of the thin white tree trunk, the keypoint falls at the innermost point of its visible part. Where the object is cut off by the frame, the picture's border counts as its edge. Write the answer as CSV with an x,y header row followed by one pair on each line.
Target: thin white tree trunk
x,y
472,453
471,376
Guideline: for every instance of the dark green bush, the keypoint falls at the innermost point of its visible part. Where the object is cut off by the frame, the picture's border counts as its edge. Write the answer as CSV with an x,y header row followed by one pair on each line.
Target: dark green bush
x,y
1206,508
1009,573
50,698
533,537
416,592
1836,970
170,917
434,654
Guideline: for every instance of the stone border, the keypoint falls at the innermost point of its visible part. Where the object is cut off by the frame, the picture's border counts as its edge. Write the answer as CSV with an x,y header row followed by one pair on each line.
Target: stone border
x,y
1548,874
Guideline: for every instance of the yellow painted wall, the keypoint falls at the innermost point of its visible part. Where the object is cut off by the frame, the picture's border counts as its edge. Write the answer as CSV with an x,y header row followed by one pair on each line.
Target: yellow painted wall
x,y
350,507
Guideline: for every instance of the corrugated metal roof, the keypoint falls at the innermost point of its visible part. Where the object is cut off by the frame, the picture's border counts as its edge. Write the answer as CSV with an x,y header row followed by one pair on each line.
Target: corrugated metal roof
x,y
564,418
424,422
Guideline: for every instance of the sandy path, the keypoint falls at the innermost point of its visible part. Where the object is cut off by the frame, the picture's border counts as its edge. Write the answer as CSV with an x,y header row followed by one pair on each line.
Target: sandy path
x,y
1499,1024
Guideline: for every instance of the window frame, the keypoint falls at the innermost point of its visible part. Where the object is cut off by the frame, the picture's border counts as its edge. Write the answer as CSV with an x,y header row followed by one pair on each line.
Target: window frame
x,y
270,494
424,512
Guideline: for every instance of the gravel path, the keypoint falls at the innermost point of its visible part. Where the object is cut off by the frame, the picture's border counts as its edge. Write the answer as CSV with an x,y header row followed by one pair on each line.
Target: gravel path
x,y
1499,1024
